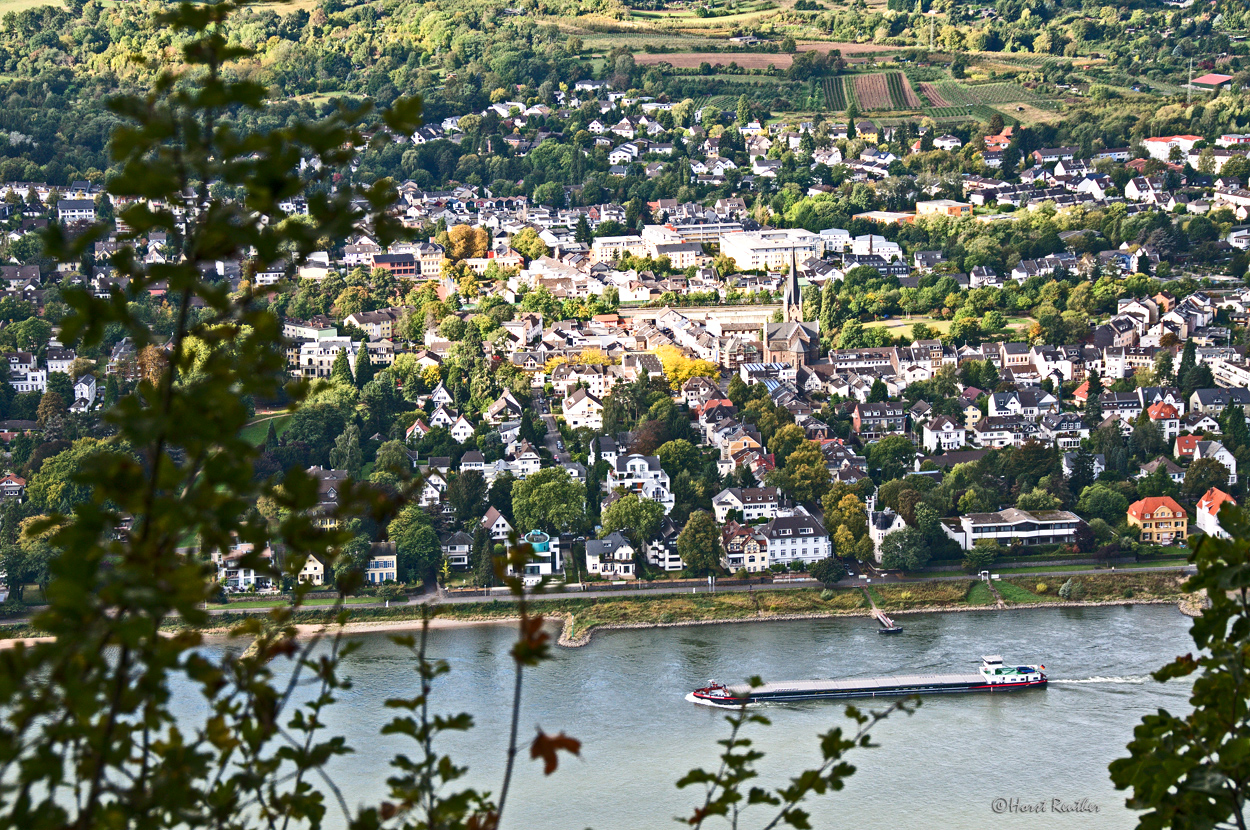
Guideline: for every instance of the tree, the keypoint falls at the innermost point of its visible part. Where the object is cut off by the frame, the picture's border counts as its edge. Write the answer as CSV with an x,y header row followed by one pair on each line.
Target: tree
x,y
467,242
392,456
341,370
527,244
678,368
805,475
1101,502
550,500
878,392
737,391
828,570
1093,402
638,518
418,553
1201,476
786,440
1037,499
56,485
347,454
466,492
844,542
698,544
905,550
1191,770
51,410
1082,470
1147,438
364,367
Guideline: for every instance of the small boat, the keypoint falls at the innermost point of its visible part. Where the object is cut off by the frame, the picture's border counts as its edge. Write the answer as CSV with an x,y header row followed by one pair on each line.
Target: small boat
x,y
888,626
993,676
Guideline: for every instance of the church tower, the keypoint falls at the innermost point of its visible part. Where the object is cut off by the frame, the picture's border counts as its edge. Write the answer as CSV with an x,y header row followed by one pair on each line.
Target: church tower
x,y
791,296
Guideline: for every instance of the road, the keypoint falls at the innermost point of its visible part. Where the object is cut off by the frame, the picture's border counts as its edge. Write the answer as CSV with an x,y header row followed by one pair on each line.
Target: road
x,y
553,430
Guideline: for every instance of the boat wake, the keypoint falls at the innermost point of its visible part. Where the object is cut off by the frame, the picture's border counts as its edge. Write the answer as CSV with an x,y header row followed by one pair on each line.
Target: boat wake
x,y
1132,679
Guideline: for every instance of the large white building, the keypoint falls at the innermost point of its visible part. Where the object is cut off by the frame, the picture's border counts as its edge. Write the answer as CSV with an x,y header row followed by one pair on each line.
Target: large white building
x,y
1012,526
765,250
796,537
642,474
1208,519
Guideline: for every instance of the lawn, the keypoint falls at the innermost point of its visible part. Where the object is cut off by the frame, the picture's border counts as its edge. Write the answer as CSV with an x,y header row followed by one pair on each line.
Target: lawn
x,y
22,5
255,432
980,594
902,325
1016,592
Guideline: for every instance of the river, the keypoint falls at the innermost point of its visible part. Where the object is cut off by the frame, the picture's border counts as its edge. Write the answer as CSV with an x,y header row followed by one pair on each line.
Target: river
x,y
951,764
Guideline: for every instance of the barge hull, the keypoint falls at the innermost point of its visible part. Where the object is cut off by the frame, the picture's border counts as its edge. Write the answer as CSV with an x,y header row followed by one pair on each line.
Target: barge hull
x,y
867,688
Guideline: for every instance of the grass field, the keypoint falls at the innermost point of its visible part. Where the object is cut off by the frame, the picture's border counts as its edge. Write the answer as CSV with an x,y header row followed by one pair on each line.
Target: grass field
x,y
22,5
255,432
902,325
317,601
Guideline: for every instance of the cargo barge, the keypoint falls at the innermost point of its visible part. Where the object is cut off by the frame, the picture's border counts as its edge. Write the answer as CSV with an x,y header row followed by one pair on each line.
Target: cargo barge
x,y
993,676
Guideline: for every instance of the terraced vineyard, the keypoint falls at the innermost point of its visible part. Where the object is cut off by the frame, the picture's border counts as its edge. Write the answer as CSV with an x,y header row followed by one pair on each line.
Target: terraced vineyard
x,y
902,96
934,96
872,92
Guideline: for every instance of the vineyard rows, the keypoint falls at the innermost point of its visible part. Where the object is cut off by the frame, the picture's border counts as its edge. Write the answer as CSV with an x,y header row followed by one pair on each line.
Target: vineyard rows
x,y
1002,93
933,96
872,92
835,99
901,93
955,95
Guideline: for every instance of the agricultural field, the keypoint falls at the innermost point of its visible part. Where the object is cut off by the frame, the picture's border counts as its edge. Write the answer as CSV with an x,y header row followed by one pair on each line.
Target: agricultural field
x,y
872,92
835,94
754,60
902,96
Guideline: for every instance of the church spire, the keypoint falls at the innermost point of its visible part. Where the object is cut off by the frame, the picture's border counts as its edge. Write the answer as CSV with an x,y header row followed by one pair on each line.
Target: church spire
x,y
792,297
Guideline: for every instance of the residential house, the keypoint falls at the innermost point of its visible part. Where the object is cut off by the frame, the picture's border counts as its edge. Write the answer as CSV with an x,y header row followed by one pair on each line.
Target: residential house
x,y
743,548
796,537
943,434
1216,450
643,475
877,420
456,549
611,557
1161,519
1014,527
881,523
1208,514
582,409
753,503
496,525
1174,472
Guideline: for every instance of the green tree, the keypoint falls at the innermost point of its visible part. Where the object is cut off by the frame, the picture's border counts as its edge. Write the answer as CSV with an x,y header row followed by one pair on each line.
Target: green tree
x,y
698,544
905,550
364,367
804,475
638,518
550,500
347,454
527,244
1101,502
828,570
1201,476
341,370
1093,402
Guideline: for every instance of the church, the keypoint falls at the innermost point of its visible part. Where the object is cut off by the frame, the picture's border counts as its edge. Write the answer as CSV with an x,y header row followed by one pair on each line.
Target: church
x,y
792,341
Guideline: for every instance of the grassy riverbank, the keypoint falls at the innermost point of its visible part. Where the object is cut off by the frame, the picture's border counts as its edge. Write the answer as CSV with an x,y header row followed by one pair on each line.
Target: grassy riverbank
x,y
584,615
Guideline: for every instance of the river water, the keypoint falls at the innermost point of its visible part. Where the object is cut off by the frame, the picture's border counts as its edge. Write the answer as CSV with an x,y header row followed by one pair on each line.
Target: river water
x,y
954,764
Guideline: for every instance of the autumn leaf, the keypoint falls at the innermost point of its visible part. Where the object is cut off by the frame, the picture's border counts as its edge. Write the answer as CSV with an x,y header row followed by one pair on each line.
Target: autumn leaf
x,y
546,746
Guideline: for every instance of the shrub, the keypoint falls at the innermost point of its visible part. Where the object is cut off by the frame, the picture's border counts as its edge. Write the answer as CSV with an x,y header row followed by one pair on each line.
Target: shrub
x,y
1128,593
1065,590
826,595
1041,588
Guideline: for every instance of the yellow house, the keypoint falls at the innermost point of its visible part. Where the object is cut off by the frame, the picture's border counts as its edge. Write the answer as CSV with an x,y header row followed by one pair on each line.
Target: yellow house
x,y
1161,519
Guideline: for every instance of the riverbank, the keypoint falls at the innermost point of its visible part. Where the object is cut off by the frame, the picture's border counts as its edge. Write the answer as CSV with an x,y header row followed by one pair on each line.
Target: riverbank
x,y
583,616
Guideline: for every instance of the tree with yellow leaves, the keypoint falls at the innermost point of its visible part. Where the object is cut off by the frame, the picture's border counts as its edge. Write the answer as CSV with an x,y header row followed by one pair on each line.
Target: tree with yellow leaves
x,y
679,368
467,242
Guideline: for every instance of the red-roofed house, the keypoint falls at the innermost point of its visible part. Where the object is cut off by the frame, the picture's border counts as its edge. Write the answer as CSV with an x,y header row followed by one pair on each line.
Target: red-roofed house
x,y
1167,419
1161,519
1208,518
1185,446
417,431
12,487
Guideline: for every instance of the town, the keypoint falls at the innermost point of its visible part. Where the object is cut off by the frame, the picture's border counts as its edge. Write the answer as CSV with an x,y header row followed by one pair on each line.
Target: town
x,y
673,389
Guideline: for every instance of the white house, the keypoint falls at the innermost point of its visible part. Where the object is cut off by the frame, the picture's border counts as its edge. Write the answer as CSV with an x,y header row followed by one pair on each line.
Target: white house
x,y
461,430
1216,450
754,503
582,409
943,434
796,537
1208,520
1014,526
643,475
456,548
496,526
611,557
881,523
